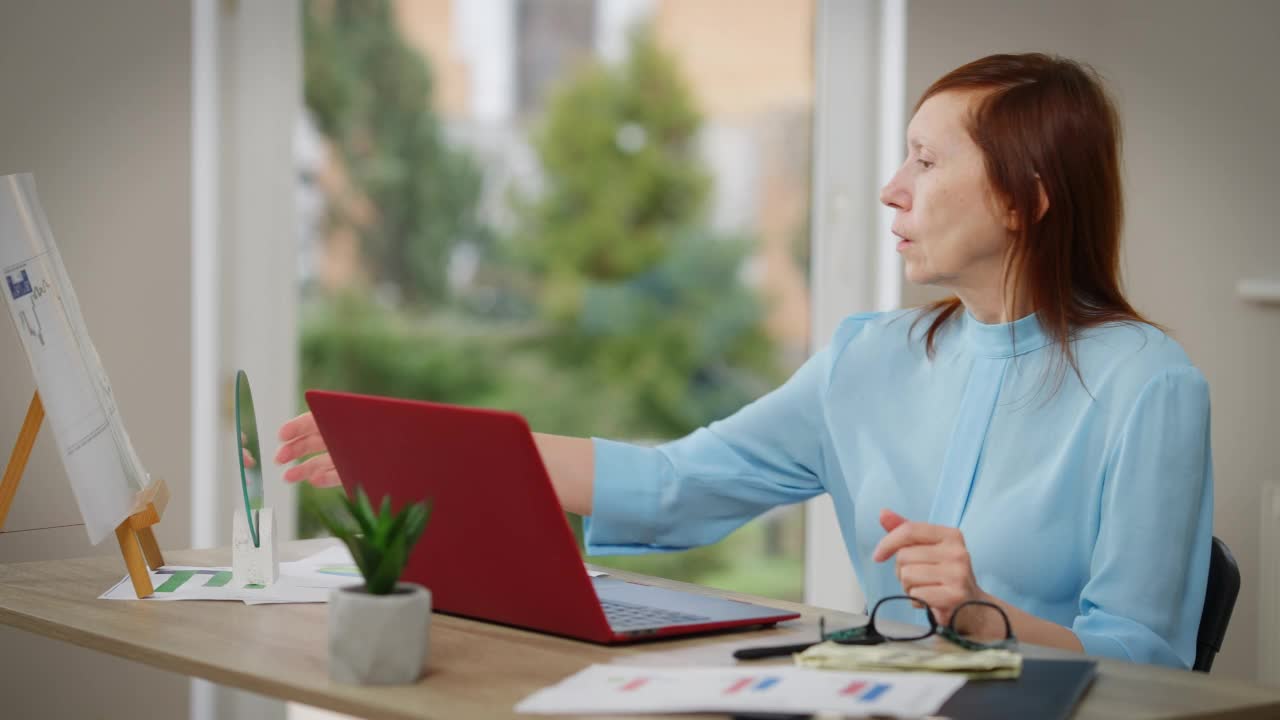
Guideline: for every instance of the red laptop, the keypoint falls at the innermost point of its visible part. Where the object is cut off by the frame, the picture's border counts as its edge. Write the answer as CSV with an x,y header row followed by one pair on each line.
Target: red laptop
x,y
497,546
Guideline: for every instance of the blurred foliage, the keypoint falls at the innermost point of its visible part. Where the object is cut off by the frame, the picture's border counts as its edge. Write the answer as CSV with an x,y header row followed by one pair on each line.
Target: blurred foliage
x,y
637,291
622,178
416,197
350,343
612,310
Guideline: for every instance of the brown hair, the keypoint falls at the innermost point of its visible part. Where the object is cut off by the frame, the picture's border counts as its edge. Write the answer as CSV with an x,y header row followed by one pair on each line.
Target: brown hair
x,y
1047,120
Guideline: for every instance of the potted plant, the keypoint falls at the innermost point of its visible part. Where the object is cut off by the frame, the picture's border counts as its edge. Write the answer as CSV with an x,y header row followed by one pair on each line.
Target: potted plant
x,y
378,631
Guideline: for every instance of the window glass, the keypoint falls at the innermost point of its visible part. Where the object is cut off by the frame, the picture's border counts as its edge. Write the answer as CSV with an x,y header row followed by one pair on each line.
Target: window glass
x,y
591,212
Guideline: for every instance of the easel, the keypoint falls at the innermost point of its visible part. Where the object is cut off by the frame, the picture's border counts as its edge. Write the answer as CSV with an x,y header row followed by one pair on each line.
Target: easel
x,y
137,541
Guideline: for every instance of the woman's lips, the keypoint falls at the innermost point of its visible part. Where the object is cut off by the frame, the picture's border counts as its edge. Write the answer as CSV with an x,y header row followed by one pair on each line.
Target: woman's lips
x,y
903,240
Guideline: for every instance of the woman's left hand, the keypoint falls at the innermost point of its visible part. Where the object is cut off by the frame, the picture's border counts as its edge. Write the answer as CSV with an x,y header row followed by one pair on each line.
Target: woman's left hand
x,y
933,564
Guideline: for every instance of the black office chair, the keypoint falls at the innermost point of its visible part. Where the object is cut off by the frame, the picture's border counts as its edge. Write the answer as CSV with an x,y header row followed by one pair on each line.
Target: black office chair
x,y
1219,601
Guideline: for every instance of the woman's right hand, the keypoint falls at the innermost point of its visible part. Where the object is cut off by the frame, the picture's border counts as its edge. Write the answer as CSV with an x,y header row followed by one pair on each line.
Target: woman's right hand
x,y
300,437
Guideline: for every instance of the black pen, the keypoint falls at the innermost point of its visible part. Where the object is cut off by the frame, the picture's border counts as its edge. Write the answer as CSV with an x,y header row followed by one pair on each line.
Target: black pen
x,y
768,651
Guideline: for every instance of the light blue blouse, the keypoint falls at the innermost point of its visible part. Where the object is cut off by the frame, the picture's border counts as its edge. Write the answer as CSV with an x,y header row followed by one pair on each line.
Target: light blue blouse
x,y
1090,505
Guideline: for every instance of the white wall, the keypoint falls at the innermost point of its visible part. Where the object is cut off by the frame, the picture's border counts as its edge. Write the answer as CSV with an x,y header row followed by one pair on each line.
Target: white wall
x,y
95,101
1195,84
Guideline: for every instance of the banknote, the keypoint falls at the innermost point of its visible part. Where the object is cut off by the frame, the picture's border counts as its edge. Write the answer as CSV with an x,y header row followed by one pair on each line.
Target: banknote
x,y
975,664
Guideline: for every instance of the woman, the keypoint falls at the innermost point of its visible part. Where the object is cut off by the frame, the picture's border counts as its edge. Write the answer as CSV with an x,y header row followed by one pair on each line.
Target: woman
x,y
1031,442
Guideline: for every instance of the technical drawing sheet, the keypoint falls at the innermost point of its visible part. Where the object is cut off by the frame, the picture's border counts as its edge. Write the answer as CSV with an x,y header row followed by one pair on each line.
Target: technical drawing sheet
x,y
104,470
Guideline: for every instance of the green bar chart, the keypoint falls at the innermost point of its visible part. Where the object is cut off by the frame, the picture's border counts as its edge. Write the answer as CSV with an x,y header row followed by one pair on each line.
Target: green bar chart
x,y
178,578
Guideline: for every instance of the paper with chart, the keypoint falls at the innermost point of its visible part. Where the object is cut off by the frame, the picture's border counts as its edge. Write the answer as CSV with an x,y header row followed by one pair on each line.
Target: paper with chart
x,y
766,689
181,582
104,470
307,580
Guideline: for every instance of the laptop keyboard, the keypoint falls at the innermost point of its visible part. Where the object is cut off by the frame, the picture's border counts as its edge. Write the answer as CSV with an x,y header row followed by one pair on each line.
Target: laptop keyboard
x,y
623,616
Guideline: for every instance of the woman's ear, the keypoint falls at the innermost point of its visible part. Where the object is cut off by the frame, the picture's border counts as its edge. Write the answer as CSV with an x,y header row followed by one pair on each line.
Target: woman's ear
x,y
1044,199
1011,215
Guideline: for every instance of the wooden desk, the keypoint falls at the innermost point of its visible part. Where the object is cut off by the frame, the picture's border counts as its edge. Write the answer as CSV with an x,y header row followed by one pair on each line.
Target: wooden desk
x,y
476,670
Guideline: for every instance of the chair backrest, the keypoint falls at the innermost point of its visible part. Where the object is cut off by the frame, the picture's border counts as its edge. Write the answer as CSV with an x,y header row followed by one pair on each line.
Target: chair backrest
x,y
1219,601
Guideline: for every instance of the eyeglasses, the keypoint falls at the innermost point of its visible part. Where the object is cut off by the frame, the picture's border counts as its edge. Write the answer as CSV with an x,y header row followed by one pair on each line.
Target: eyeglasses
x,y
960,629
966,617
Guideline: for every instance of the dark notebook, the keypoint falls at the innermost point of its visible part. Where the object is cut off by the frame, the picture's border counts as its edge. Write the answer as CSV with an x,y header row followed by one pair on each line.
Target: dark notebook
x,y
1046,690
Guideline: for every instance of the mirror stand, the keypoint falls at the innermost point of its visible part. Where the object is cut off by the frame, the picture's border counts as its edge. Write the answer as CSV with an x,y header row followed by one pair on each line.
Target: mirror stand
x,y
252,565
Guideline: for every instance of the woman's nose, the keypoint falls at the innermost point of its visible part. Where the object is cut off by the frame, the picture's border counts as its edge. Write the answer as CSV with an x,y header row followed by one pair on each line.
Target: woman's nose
x,y
895,195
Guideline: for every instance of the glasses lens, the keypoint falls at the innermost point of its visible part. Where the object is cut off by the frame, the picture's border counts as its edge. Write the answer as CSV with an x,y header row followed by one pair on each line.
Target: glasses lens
x,y
980,623
901,618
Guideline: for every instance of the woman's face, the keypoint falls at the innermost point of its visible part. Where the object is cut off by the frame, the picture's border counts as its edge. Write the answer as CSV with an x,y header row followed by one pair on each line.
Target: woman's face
x,y
950,229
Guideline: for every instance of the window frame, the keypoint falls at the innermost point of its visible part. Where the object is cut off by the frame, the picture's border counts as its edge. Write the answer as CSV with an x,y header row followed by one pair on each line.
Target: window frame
x,y
859,130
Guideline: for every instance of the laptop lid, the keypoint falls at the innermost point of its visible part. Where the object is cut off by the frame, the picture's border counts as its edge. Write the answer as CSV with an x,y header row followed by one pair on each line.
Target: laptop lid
x,y
494,508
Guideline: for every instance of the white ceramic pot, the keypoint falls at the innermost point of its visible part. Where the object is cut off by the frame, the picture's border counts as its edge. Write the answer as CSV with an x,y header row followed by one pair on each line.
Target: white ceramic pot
x,y
379,639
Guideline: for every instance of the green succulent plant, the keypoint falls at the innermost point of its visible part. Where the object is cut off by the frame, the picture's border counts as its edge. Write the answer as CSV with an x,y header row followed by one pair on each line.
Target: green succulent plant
x,y
380,542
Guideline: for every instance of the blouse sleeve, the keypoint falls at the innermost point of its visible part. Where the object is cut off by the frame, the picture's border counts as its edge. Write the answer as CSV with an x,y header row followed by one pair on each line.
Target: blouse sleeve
x,y
1150,563
696,490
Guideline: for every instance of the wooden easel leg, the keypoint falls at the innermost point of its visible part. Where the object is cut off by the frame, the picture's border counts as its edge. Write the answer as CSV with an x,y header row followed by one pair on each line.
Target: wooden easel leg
x,y
137,540
133,560
21,452
150,548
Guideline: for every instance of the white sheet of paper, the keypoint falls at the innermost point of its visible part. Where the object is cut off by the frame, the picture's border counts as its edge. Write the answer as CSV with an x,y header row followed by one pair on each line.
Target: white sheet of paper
x,y
780,689
170,585
330,568
104,470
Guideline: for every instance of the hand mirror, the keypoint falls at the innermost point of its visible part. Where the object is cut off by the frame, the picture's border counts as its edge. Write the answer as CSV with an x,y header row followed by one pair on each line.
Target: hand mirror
x,y
250,456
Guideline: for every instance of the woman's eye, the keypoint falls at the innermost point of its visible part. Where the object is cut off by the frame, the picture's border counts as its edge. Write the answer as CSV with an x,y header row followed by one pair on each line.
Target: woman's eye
x,y
924,163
